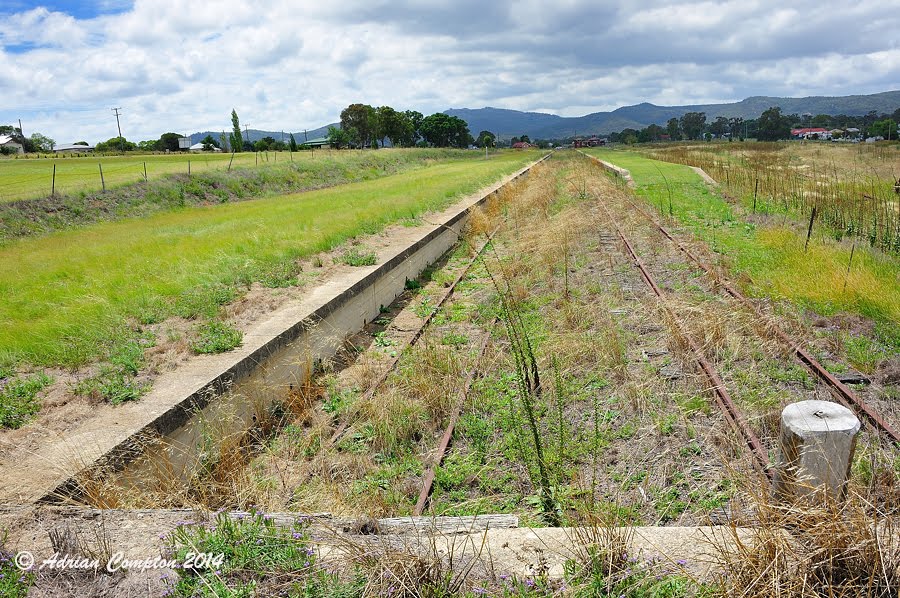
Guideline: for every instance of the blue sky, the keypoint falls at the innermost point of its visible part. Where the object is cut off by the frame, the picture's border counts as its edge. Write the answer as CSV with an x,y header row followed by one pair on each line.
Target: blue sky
x,y
182,65
86,9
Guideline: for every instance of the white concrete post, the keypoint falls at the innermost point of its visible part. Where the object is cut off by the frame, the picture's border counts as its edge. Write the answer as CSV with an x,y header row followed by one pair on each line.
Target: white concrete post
x,y
817,443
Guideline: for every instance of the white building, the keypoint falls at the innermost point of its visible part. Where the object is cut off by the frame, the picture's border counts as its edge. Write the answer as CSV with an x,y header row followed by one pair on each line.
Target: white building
x,y
69,148
198,147
11,144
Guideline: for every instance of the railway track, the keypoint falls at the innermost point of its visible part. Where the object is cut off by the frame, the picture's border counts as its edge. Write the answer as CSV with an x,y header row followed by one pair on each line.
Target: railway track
x,y
722,396
411,341
839,390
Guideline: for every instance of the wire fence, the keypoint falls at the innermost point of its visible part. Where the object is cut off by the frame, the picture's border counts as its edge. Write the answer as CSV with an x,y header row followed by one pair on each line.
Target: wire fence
x,y
33,178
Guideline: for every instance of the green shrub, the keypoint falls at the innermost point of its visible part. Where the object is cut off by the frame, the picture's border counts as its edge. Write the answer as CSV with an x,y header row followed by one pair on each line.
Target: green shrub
x,y
354,257
217,337
18,399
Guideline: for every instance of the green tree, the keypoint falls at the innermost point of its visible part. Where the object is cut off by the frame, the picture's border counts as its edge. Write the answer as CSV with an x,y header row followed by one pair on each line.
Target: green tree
x,y
772,125
209,144
265,144
237,140
42,143
822,120
735,125
693,124
719,126
168,142
414,120
393,125
486,139
115,144
651,133
443,130
673,129
148,145
293,144
360,122
886,128
337,137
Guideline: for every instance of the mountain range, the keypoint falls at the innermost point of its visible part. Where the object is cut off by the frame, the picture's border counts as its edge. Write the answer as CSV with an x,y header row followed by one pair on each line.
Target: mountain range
x,y
537,125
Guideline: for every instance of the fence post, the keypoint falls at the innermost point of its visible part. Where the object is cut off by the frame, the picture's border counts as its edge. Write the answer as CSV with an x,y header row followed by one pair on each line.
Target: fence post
x,y
145,172
230,161
53,184
817,443
102,181
189,169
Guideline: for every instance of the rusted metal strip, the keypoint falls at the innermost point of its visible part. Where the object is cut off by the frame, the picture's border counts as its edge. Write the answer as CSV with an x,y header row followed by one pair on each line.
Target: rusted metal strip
x,y
840,390
414,339
431,472
723,397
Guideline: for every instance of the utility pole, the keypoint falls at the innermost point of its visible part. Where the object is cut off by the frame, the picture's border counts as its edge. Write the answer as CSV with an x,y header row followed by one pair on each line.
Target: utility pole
x,y
247,131
119,126
305,138
21,132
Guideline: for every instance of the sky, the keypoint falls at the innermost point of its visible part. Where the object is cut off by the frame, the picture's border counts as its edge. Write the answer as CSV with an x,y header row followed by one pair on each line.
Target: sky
x,y
183,65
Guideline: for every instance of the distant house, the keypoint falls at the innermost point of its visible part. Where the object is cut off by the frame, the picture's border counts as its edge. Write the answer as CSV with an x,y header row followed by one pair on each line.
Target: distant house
x,y
589,142
11,145
72,148
317,142
811,133
198,147
521,145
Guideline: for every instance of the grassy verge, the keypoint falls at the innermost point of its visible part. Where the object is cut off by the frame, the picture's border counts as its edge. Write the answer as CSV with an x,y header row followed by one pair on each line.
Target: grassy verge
x,y
29,178
771,251
177,189
71,294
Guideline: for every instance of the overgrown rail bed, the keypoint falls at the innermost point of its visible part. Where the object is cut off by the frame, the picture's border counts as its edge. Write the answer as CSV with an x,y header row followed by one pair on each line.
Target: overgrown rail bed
x,y
585,409
585,400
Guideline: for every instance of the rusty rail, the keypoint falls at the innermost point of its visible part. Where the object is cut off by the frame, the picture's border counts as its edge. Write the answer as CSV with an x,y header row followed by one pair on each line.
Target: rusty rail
x,y
412,340
840,390
723,397
428,479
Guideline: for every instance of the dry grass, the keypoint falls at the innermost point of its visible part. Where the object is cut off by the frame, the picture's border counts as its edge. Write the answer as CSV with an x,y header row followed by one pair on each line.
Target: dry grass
x,y
835,550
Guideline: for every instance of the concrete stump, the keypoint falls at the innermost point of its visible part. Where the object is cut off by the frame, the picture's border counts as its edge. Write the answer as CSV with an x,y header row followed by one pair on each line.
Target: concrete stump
x,y
817,443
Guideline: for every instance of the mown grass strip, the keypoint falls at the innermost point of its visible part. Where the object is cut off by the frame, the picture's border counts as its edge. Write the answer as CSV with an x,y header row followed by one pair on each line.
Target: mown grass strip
x,y
27,178
68,295
43,215
772,253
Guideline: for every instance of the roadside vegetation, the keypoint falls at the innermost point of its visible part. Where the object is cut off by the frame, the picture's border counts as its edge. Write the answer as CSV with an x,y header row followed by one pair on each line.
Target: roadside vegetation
x,y
770,249
169,190
848,190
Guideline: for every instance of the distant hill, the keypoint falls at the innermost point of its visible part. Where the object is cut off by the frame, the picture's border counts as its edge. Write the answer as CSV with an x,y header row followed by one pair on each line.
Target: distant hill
x,y
257,134
537,125
508,123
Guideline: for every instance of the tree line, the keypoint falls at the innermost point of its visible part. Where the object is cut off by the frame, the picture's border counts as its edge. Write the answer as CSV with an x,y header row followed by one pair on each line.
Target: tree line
x,y
772,125
363,125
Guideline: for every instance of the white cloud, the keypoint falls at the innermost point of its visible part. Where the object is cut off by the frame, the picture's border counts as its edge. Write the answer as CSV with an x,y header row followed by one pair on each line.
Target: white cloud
x,y
183,66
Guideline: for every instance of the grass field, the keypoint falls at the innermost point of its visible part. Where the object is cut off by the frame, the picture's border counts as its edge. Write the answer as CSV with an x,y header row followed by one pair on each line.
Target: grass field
x,y
30,178
771,250
40,216
851,187
69,295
